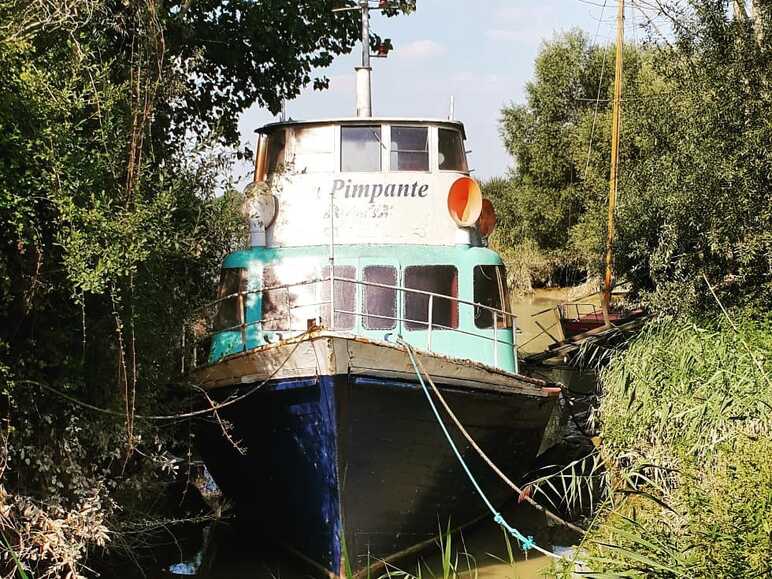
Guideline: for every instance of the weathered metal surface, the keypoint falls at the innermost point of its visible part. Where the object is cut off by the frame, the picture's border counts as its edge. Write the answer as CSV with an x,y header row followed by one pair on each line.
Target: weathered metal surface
x,y
270,267
362,457
327,353
397,207
286,485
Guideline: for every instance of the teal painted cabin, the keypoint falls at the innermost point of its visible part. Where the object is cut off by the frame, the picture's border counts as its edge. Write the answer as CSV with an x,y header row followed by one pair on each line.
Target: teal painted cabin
x,y
459,328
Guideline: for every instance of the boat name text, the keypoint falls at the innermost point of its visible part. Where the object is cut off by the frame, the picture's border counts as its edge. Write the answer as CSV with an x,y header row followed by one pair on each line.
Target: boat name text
x,y
373,191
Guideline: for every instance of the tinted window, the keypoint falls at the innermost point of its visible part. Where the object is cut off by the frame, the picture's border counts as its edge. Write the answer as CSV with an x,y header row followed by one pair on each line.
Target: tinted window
x,y
345,297
228,314
274,314
276,151
451,150
439,279
360,148
314,149
380,301
409,148
490,289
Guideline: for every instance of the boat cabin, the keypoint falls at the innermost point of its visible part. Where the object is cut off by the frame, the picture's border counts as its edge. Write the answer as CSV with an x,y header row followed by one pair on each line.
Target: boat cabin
x,y
387,209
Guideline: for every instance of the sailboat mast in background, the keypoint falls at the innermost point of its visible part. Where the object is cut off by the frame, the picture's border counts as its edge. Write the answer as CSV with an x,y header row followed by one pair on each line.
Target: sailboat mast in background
x,y
615,124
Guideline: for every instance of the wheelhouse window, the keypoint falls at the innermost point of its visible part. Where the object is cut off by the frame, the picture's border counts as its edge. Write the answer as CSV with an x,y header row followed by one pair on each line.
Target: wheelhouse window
x,y
345,297
360,149
490,289
380,302
314,149
276,155
276,306
451,150
438,279
229,314
409,148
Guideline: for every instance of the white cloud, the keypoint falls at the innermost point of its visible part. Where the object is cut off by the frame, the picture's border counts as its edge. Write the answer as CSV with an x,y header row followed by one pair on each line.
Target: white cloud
x,y
421,49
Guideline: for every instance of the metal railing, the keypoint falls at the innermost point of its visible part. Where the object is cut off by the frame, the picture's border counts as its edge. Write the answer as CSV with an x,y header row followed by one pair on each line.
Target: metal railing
x,y
428,325
566,308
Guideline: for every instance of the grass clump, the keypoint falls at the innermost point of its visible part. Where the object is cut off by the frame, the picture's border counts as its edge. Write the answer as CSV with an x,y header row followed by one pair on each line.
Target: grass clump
x,y
686,423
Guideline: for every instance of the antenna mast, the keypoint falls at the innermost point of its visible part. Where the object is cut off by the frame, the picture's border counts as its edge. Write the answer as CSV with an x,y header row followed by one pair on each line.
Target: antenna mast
x,y
364,72
612,195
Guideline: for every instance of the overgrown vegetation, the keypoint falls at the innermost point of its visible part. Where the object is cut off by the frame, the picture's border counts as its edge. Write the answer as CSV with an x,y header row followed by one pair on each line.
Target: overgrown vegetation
x,y
694,184
118,125
686,412
687,436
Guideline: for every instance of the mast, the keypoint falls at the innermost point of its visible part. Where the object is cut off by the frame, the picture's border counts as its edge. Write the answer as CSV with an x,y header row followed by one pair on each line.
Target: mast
x,y
615,124
363,73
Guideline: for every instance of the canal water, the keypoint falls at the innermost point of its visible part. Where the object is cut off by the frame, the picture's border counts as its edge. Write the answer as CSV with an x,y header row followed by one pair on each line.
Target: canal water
x,y
219,549
222,550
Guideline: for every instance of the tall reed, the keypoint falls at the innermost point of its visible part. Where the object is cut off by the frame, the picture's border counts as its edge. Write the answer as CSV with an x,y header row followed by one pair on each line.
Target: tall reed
x,y
686,424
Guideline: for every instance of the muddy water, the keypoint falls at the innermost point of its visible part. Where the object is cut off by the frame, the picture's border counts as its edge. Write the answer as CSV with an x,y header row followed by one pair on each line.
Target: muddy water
x,y
537,318
480,550
219,550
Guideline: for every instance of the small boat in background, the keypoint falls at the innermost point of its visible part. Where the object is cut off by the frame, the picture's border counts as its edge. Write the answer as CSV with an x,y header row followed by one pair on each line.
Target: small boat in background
x,y
580,318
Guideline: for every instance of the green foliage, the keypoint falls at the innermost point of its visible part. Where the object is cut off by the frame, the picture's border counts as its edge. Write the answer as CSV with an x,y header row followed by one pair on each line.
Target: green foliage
x,y
687,432
112,121
698,200
694,185
554,198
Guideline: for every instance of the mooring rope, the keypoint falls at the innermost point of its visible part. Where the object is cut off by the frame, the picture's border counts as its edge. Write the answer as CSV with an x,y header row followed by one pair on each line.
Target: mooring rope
x,y
526,542
490,463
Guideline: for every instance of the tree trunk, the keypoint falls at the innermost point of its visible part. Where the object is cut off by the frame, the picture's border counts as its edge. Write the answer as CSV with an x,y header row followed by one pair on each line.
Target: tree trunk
x,y
760,15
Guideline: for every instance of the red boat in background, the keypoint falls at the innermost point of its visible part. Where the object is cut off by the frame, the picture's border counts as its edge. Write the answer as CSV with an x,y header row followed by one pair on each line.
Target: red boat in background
x,y
578,318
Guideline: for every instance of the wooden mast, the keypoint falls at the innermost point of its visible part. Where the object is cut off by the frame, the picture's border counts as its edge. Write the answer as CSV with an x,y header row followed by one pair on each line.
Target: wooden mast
x,y
615,124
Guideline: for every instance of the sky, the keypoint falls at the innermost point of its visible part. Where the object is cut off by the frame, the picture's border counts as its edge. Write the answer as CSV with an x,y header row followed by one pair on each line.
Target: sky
x,y
481,52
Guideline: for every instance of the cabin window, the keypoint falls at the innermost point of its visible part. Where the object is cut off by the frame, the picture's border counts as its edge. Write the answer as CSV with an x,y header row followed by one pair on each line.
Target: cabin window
x,y
276,308
345,297
451,150
409,148
360,149
314,149
380,302
438,279
490,289
275,157
229,316
289,299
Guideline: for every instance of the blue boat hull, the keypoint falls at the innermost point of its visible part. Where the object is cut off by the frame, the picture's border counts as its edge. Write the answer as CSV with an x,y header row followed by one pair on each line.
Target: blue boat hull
x,y
361,459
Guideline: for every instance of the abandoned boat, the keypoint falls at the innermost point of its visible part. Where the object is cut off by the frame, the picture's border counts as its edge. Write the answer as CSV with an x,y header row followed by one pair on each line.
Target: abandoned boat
x,y
367,238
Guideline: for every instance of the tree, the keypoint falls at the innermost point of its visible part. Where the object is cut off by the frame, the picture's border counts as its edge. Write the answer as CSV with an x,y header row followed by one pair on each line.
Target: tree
x,y
112,117
696,203
693,188
560,146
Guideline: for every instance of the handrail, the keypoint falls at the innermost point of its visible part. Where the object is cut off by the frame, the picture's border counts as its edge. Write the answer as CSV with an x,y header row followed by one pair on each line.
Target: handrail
x,y
429,324
359,282
564,308
360,315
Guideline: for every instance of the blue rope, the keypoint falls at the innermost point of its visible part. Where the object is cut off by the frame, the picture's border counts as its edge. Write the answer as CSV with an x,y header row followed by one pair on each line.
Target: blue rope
x,y
526,543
